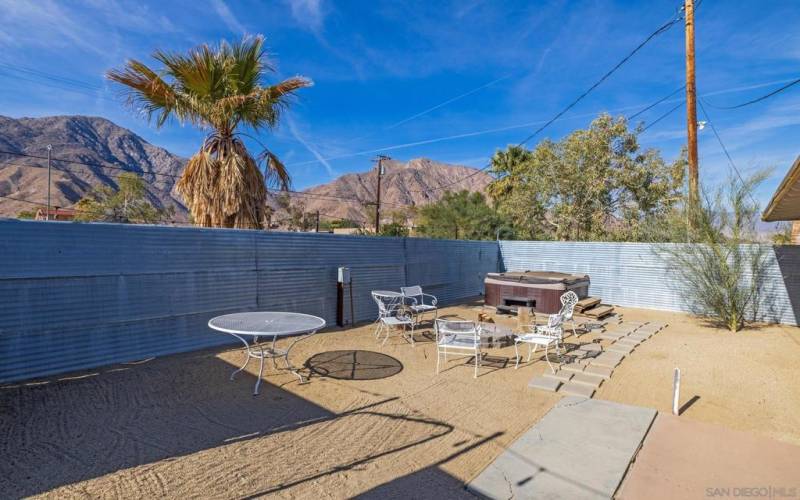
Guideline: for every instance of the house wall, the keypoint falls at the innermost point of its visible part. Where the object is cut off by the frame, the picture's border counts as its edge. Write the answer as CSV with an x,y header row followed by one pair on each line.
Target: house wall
x,y
75,296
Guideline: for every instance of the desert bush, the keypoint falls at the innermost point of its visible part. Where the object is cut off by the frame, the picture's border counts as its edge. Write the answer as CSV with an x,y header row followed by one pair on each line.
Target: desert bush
x,y
722,269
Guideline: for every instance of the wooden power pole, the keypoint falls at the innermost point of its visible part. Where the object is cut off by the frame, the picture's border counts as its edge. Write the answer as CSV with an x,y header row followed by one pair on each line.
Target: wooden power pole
x,y
379,160
691,105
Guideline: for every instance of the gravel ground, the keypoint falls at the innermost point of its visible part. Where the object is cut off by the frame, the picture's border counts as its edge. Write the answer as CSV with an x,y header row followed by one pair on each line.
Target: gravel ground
x,y
177,427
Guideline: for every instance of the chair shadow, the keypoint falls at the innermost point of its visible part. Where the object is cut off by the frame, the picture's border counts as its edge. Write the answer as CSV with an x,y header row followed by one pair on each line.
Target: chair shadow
x,y
90,424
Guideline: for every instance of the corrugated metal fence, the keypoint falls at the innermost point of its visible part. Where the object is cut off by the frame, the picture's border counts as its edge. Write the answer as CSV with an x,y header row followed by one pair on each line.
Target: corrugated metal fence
x,y
76,296
637,274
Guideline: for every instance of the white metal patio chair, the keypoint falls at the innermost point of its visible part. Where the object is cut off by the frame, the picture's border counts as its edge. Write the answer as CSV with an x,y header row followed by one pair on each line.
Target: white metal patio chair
x,y
392,314
420,302
568,302
543,335
457,337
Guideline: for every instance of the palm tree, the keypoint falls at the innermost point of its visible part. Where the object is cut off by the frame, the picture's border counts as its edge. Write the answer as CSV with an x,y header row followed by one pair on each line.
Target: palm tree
x,y
219,89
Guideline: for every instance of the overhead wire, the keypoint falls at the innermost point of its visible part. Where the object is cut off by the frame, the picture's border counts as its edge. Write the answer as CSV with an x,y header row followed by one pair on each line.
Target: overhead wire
x,y
660,30
758,99
724,149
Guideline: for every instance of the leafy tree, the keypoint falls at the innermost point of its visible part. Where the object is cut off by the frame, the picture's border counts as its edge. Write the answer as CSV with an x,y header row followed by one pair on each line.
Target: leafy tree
x,y
219,89
26,214
297,219
593,184
128,203
462,215
782,234
724,268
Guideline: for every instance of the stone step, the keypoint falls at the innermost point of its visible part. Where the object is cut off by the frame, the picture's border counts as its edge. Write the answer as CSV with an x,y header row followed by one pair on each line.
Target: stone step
x,y
560,375
590,347
628,341
587,379
574,367
608,359
580,390
600,371
545,384
620,348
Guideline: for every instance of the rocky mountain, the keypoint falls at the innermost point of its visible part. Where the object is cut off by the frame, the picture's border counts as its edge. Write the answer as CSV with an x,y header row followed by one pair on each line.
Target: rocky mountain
x,y
103,148
404,184
90,140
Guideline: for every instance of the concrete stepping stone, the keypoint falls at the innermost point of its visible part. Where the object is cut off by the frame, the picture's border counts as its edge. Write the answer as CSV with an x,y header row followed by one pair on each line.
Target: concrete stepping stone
x,y
608,359
640,337
588,379
628,341
575,389
574,367
545,383
600,371
552,460
559,375
612,336
620,348
590,348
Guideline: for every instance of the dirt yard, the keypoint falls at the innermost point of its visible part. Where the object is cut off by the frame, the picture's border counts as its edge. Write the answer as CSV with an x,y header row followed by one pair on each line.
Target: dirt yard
x,y
177,427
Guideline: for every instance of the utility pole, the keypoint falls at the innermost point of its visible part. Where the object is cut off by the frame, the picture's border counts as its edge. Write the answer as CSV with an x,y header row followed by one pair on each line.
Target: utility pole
x,y
691,106
49,150
317,220
379,159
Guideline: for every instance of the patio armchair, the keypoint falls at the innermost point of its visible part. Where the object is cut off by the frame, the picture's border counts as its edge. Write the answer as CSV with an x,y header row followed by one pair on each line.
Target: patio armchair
x,y
457,336
568,302
547,335
420,302
392,313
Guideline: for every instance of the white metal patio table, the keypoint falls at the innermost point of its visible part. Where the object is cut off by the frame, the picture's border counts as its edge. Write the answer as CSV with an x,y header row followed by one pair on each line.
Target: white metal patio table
x,y
267,324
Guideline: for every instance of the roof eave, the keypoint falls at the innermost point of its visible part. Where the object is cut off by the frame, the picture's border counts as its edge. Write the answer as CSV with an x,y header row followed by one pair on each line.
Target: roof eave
x,y
792,179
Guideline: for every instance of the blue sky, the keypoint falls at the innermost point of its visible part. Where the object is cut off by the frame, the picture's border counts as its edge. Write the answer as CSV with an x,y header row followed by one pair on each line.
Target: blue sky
x,y
452,81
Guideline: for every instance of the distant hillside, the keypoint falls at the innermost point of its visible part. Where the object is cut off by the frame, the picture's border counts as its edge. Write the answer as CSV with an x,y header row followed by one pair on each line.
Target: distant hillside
x,y
410,183
100,142
86,139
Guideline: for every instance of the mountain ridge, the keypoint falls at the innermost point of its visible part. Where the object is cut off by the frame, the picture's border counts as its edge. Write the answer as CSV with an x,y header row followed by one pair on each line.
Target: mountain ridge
x,y
99,150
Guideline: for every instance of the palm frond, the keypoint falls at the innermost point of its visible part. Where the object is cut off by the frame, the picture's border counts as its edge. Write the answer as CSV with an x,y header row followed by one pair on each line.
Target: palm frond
x,y
218,87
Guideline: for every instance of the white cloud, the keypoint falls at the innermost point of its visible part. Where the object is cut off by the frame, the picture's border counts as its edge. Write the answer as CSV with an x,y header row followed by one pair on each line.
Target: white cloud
x,y
308,13
228,17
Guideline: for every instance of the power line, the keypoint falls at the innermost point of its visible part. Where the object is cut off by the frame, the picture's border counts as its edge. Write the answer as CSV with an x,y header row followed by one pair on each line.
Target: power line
x,y
648,108
665,27
758,99
678,106
662,29
724,149
96,165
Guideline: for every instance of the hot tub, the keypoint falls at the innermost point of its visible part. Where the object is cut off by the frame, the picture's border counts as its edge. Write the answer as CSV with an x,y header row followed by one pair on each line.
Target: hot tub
x,y
540,290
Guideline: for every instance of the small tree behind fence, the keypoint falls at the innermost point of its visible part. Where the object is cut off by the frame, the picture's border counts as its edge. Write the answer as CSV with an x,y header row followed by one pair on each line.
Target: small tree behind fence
x,y
724,267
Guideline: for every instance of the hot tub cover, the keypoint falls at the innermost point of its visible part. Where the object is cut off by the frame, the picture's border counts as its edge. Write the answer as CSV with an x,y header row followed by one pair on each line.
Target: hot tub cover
x,y
539,277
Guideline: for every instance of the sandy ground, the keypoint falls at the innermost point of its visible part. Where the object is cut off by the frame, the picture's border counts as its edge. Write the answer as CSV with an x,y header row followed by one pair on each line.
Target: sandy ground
x,y
745,381
176,426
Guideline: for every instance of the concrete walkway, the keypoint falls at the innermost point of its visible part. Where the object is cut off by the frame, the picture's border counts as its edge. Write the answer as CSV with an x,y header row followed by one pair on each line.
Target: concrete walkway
x,y
580,449
683,458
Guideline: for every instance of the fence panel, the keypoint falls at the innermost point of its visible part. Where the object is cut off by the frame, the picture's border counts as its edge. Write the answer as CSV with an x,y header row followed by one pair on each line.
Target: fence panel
x,y
76,296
